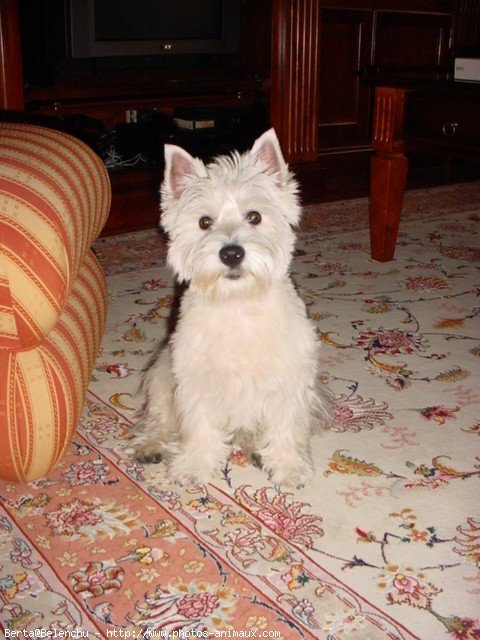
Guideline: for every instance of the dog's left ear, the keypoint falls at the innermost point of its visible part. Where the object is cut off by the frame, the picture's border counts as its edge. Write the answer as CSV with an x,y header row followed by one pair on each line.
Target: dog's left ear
x,y
267,150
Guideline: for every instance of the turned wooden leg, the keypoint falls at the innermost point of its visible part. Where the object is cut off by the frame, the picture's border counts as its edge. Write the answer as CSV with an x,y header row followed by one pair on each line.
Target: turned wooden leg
x,y
389,167
388,176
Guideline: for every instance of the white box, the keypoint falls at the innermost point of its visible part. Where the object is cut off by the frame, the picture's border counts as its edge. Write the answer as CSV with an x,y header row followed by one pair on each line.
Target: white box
x,y
182,123
467,69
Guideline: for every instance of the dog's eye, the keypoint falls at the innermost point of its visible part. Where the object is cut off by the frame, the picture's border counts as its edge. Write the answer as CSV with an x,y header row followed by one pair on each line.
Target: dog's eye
x,y
205,222
253,217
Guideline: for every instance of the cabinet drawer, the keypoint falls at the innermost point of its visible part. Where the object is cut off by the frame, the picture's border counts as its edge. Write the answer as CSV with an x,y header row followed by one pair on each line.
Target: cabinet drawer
x,y
453,123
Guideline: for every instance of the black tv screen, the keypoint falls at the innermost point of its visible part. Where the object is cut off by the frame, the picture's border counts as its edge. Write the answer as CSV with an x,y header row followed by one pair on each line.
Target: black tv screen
x,y
104,28
147,20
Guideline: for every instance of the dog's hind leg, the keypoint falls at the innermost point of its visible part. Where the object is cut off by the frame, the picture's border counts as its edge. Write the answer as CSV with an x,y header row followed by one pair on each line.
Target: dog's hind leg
x,y
155,430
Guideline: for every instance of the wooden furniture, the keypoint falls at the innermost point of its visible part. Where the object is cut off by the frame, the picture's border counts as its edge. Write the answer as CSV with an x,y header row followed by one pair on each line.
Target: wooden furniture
x,y
135,190
321,50
422,113
11,76
237,82
305,59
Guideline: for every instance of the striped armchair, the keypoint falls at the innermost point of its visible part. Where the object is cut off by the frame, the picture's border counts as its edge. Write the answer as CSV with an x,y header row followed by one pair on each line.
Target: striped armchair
x,y
54,201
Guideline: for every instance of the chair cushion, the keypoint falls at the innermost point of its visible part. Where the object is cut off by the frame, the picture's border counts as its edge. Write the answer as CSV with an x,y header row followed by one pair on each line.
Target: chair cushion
x,y
43,389
54,201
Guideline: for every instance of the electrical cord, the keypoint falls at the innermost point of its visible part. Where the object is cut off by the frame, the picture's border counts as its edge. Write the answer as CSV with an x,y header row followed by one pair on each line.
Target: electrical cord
x,y
112,160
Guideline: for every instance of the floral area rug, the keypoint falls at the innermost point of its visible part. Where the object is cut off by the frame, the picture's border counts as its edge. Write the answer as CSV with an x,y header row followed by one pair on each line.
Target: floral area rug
x,y
385,543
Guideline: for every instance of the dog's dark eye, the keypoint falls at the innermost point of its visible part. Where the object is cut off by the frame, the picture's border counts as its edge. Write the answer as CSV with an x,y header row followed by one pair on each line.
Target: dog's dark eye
x,y
253,217
205,222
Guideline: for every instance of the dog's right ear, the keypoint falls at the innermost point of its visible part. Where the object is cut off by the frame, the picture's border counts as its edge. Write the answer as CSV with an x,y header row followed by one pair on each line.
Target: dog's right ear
x,y
180,168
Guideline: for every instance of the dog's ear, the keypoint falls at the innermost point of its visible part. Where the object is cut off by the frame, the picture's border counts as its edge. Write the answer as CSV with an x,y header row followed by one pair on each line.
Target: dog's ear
x,y
180,168
267,150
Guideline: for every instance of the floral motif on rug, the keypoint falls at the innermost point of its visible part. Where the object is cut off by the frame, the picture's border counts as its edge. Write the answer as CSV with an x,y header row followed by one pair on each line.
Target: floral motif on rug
x,y
385,542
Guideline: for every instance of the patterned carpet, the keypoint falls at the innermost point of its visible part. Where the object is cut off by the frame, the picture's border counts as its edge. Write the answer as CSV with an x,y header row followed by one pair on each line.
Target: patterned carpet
x,y
385,544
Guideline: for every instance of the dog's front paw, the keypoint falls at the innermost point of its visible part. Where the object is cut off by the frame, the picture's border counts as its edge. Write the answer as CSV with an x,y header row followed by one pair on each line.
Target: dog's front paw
x,y
294,475
185,470
144,452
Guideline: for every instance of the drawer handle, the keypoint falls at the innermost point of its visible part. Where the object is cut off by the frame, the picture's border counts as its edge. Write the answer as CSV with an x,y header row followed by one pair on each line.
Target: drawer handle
x,y
449,129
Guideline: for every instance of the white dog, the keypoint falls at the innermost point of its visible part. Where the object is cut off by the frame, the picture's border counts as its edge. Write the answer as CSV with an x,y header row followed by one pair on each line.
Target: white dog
x,y
242,362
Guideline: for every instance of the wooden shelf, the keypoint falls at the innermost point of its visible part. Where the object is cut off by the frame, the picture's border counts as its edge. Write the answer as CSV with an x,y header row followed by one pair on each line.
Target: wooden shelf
x,y
305,60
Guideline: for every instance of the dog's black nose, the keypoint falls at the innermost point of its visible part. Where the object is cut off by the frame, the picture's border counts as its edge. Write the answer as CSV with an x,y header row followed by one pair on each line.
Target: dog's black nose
x,y
232,255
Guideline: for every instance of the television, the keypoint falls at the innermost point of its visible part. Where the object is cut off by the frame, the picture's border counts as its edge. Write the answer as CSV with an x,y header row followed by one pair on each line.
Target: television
x,y
111,28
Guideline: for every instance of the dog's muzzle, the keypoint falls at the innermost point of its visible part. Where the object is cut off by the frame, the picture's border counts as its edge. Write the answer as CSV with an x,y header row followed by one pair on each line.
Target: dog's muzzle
x,y
232,255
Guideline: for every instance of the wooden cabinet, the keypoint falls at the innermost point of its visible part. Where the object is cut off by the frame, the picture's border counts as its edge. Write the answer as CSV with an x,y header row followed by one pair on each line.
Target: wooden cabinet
x,y
344,104
322,52
306,59
295,77
450,122
11,77
97,114
412,39
362,37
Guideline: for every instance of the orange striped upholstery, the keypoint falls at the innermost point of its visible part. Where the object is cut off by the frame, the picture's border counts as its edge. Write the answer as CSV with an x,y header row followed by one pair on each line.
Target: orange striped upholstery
x,y
54,201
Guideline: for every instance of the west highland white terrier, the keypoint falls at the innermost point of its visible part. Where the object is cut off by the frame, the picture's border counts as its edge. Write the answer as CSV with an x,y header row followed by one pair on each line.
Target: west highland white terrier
x,y
241,364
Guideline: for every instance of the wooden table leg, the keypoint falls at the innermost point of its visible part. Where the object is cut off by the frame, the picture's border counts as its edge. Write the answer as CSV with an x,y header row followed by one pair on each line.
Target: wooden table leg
x,y
389,167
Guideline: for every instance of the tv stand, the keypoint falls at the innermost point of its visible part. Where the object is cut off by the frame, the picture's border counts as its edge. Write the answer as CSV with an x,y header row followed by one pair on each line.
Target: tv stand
x,y
289,55
106,100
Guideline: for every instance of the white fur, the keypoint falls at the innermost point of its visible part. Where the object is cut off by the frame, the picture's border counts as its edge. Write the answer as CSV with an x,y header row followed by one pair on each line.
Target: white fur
x,y
242,361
